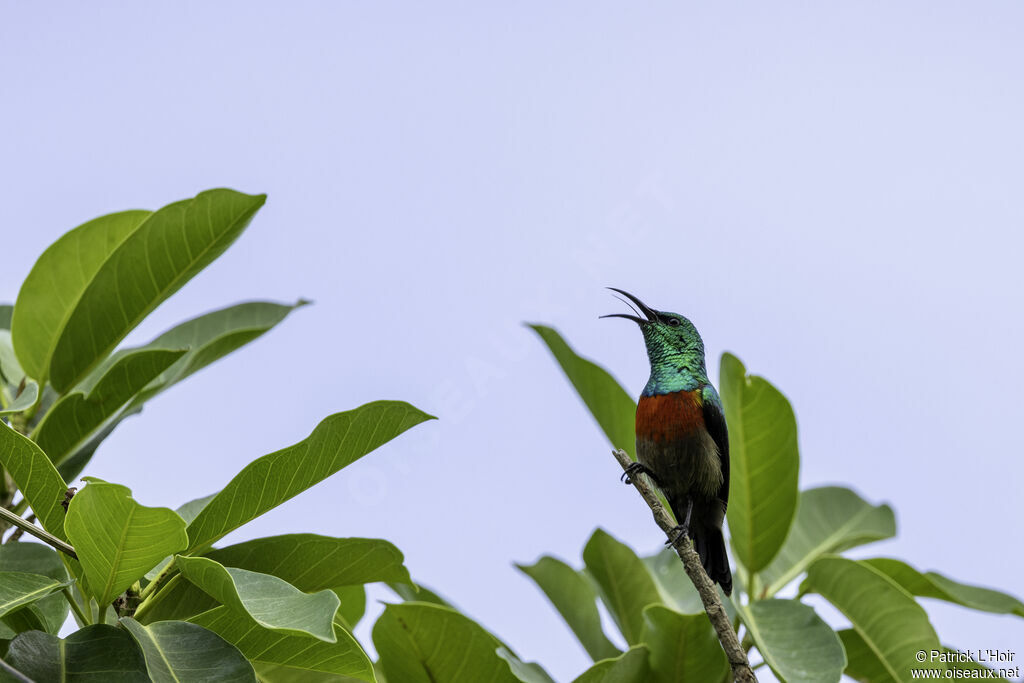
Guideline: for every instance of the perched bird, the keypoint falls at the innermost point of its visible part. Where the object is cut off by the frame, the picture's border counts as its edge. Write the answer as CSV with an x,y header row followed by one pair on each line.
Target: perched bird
x,y
681,438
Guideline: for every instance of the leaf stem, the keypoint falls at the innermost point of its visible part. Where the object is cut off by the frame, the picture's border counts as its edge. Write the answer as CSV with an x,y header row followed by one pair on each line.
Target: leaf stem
x,y
155,597
44,536
76,608
741,671
155,583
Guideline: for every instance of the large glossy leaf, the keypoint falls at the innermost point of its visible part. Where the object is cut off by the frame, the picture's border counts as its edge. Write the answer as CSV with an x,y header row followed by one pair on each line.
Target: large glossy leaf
x,y
607,401
36,478
95,654
337,441
76,461
865,666
629,667
18,589
352,607
764,464
575,599
58,280
677,591
625,584
307,561
178,651
828,520
152,263
862,663
891,623
207,338
117,539
683,647
525,672
794,641
935,585
17,392
76,416
420,593
212,336
271,602
424,643
311,562
280,656
36,558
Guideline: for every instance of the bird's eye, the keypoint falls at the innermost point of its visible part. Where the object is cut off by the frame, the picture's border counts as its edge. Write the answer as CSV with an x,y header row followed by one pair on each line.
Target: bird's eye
x,y
674,322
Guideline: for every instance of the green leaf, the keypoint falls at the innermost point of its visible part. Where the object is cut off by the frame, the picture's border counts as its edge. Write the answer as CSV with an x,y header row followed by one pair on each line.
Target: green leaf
x,y
36,478
683,647
289,657
677,591
764,463
419,593
527,672
58,280
607,401
353,605
271,602
212,336
424,643
117,539
575,599
179,651
337,441
207,338
76,416
76,461
311,562
36,558
151,264
190,510
6,311
934,585
864,665
891,623
629,667
794,641
307,561
18,589
23,400
828,520
27,618
95,654
14,395
625,584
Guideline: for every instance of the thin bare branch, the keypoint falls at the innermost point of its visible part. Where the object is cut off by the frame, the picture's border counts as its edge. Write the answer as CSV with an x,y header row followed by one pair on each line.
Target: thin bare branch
x,y
741,671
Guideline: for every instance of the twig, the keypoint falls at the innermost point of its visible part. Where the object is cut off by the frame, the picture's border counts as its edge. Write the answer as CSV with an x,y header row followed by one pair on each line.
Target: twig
x,y
741,671
83,620
19,531
31,528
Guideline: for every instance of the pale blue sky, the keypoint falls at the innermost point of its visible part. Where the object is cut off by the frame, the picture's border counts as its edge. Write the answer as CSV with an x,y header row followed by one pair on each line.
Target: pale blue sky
x,y
831,191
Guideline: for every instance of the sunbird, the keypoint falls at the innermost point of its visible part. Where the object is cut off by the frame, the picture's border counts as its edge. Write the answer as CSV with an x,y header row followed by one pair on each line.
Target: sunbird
x,y
682,442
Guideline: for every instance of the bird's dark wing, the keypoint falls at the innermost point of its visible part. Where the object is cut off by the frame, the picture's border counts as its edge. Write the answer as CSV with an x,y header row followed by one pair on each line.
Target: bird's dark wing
x,y
714,421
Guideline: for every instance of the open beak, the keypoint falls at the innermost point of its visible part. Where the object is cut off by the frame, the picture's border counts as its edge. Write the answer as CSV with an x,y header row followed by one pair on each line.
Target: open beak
x,y
644,308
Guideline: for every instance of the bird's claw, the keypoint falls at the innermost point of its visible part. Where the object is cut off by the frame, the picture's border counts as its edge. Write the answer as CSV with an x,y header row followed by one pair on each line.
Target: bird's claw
x,y
632,471
677,534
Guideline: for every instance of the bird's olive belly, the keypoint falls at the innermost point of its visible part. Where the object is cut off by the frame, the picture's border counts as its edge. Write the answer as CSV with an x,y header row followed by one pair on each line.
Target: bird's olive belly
x,y
685,466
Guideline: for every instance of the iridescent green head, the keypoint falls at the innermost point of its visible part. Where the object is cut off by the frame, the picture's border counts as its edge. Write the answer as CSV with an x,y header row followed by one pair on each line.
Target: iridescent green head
x,y
674,348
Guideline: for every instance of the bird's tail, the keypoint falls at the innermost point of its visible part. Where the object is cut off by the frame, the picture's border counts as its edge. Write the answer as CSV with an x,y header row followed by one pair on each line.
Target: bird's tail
x,y
710,545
